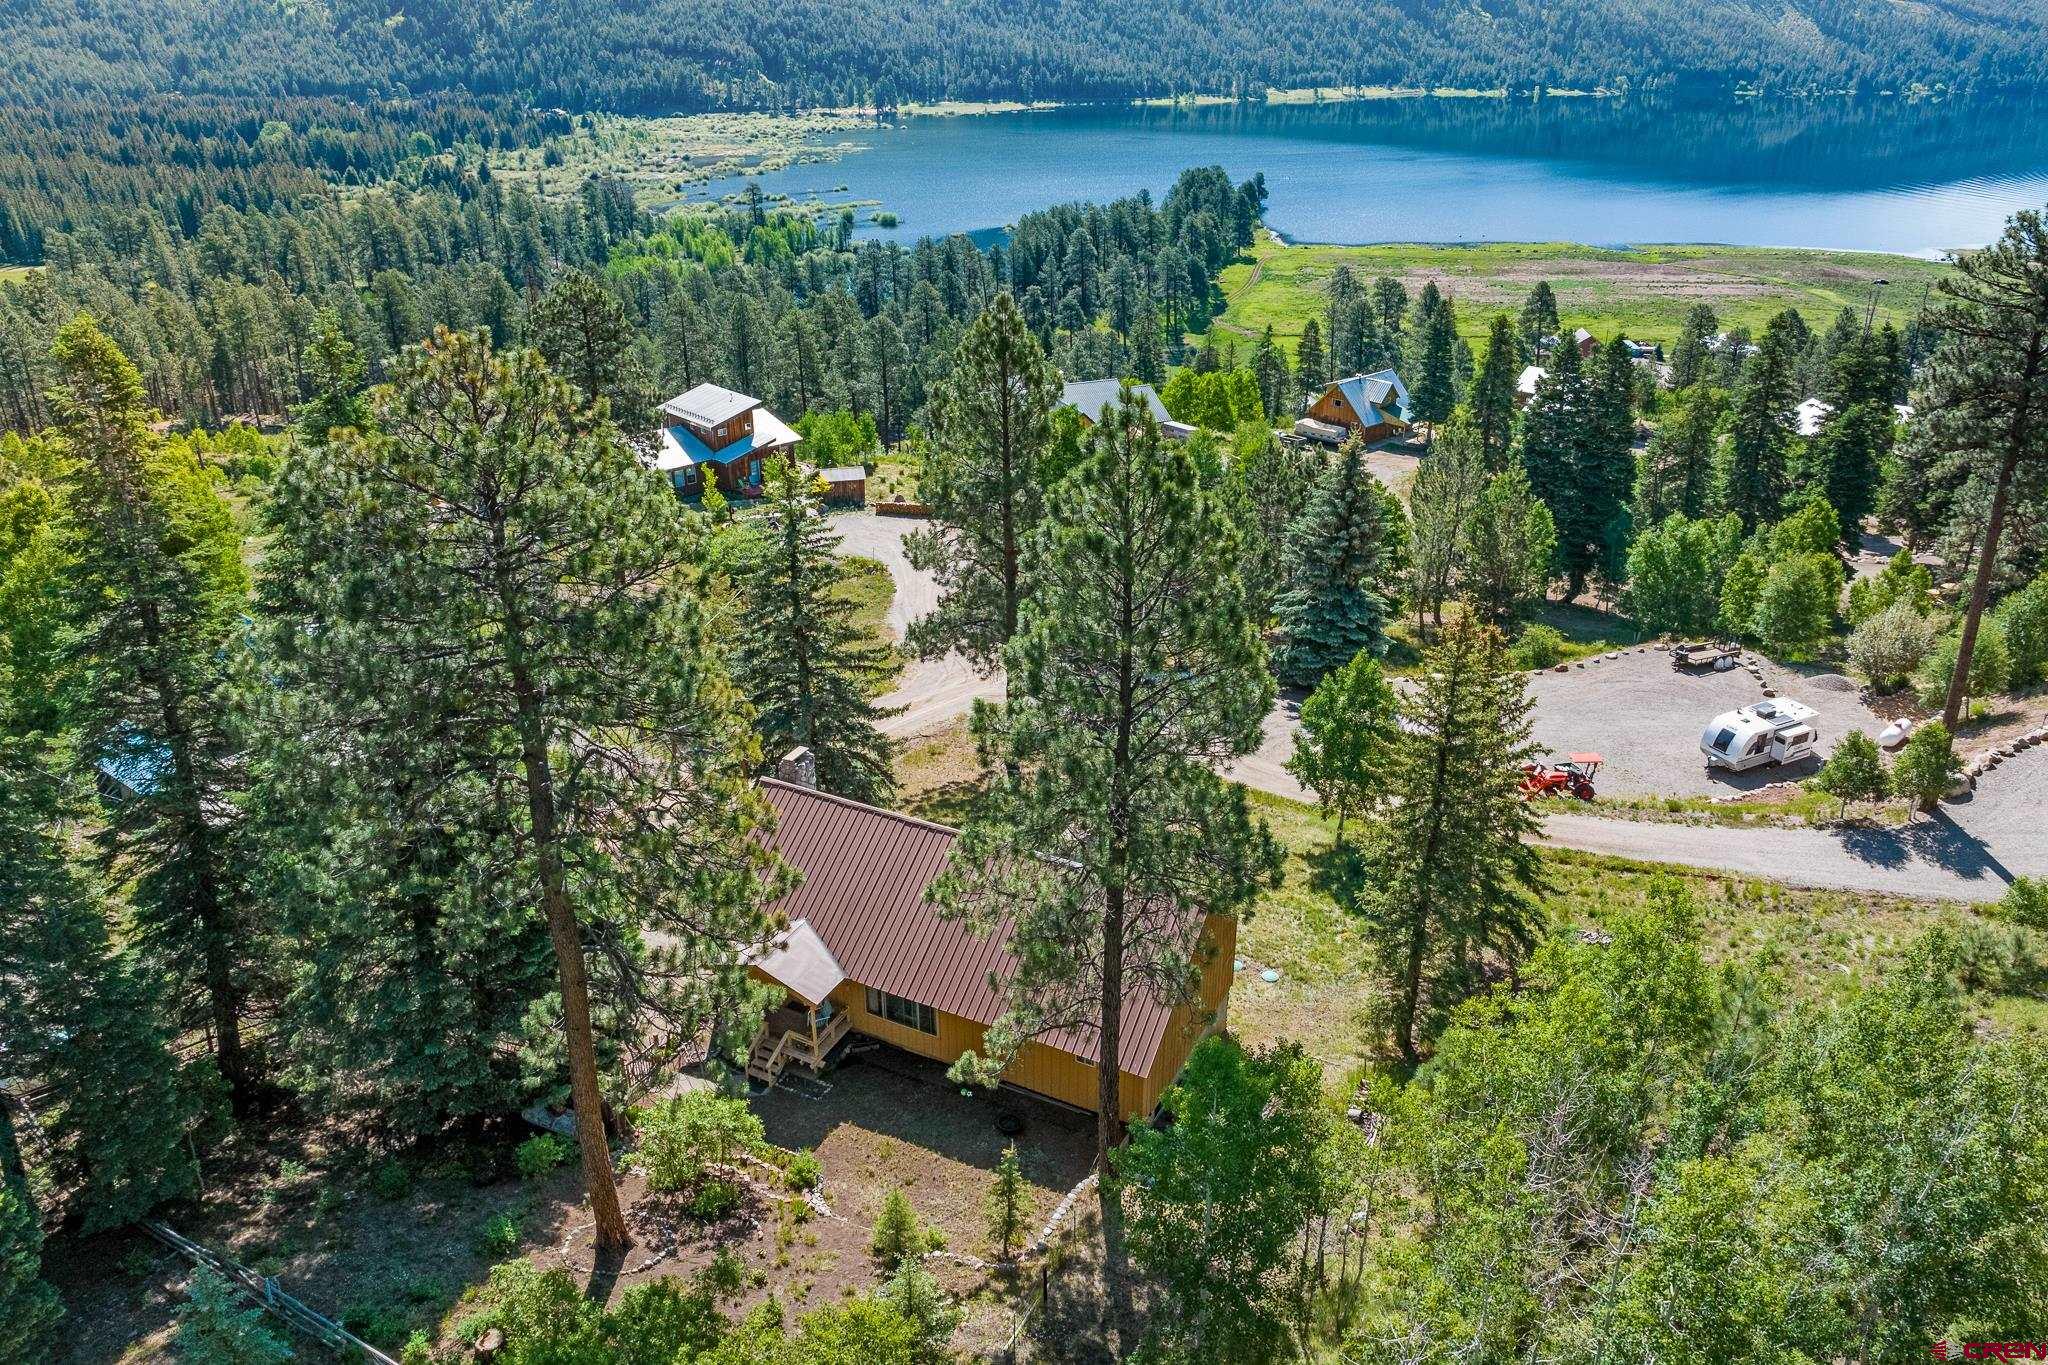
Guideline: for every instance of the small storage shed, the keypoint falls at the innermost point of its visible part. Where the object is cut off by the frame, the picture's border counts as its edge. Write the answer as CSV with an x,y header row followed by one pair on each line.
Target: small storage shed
x,y
845,484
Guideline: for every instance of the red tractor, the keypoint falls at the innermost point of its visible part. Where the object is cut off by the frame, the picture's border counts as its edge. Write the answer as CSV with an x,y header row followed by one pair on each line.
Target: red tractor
x,y
1573,777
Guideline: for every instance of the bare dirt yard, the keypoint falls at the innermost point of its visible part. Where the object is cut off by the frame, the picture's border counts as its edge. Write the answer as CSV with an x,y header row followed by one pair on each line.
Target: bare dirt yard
x,y
390,1246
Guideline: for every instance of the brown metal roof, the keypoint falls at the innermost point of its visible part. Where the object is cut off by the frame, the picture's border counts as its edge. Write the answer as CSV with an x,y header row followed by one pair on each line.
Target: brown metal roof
x,y
865,872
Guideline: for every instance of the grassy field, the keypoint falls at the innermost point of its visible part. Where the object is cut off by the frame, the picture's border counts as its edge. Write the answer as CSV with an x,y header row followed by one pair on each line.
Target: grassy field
x,y
1643,294
1819,942
16,272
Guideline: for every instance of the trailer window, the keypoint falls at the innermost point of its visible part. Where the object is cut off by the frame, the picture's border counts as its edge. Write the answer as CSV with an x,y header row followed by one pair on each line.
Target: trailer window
x,y
1723,740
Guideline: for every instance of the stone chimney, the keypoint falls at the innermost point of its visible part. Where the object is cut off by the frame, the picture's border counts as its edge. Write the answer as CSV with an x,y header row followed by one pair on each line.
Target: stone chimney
x,y
798,767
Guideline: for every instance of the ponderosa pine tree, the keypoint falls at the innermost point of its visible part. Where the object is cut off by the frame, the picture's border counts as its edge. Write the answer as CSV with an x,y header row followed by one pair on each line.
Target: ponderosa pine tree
x,y
512,577
1341,294
1539,318
157,588
1269,370
802,662
583,331
29,1307
1569,453
1492,399
1760,430
1311,367
1436,383
1110,839
1845,461
1390,302
1984,402
990,426
890,361
1447,870
1610,460
1339,564
383,849
1008,1204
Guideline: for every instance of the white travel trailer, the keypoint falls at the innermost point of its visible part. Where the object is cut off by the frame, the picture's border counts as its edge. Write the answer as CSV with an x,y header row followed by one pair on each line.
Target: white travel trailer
x,y
1769,732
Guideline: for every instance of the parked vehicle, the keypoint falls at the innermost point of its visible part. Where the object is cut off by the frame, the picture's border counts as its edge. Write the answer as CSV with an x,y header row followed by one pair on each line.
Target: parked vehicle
x,y
1719,657
1573,777
1768,733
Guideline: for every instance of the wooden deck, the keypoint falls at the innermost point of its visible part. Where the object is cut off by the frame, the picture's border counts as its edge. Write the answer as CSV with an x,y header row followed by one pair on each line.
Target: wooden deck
x,y
790,1035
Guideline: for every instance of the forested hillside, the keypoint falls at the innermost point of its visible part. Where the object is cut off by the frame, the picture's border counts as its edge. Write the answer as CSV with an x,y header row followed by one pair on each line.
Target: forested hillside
x,y
683,54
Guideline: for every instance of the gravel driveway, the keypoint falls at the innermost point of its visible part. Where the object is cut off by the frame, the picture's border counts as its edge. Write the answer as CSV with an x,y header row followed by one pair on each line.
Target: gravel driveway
x,y
1644,717
929,692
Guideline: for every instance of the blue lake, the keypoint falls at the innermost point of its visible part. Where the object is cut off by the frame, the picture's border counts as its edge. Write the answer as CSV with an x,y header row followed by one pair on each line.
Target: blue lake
x,y
1875,176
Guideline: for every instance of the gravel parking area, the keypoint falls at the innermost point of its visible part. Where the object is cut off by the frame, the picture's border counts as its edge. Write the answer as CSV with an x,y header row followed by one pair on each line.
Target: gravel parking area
x,y
2006,811
1644,717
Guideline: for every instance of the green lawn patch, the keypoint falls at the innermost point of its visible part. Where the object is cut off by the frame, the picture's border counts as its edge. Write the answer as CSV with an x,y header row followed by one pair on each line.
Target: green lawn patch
x,y
1643,293
866,583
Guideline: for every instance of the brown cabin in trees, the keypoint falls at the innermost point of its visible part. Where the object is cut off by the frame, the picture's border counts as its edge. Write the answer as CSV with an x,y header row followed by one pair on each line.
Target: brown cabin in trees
x,y
1089,397
866,953
716,434
1375,406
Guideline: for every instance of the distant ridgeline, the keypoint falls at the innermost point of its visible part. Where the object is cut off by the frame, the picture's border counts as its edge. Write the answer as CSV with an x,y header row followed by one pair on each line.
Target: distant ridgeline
x,y
670,55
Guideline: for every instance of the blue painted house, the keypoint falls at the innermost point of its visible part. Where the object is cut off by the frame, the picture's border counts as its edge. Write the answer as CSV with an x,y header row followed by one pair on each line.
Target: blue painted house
x,y
716,434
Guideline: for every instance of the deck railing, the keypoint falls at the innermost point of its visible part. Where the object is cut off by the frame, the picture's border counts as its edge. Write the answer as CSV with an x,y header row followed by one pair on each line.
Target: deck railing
x,y
796,1041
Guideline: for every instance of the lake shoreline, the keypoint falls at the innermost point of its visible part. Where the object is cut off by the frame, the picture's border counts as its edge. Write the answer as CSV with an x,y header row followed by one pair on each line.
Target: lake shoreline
x,y
1933,256
1607,170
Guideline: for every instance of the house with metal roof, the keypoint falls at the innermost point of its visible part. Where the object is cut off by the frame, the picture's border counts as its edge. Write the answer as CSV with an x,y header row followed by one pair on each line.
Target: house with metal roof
x,y
865,953
716,434
1374,406
1089,397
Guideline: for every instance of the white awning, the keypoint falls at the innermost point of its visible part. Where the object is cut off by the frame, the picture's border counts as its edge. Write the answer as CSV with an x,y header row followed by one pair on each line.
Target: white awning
x,y
798,959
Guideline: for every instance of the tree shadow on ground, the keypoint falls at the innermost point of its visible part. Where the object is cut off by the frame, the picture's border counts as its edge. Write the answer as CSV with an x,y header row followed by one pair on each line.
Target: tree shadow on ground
x,y
1936,839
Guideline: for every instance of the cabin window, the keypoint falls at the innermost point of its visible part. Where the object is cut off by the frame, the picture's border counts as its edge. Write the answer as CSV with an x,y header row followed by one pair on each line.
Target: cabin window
x,y
721,429
908,1013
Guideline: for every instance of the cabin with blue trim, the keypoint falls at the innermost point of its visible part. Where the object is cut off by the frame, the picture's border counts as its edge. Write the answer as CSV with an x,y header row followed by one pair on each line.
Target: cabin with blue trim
x,y
712,433
1373,406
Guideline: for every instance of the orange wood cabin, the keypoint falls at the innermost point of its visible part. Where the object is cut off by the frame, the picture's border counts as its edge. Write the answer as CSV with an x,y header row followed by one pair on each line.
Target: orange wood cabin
x,y
1375,406
865,953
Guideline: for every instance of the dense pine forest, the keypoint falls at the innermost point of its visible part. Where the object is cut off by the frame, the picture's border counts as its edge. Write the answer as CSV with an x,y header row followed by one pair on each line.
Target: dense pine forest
x,y
667,55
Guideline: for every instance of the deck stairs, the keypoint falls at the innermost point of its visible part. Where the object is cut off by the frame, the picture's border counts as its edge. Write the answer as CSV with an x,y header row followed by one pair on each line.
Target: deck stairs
x,y
786,1036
